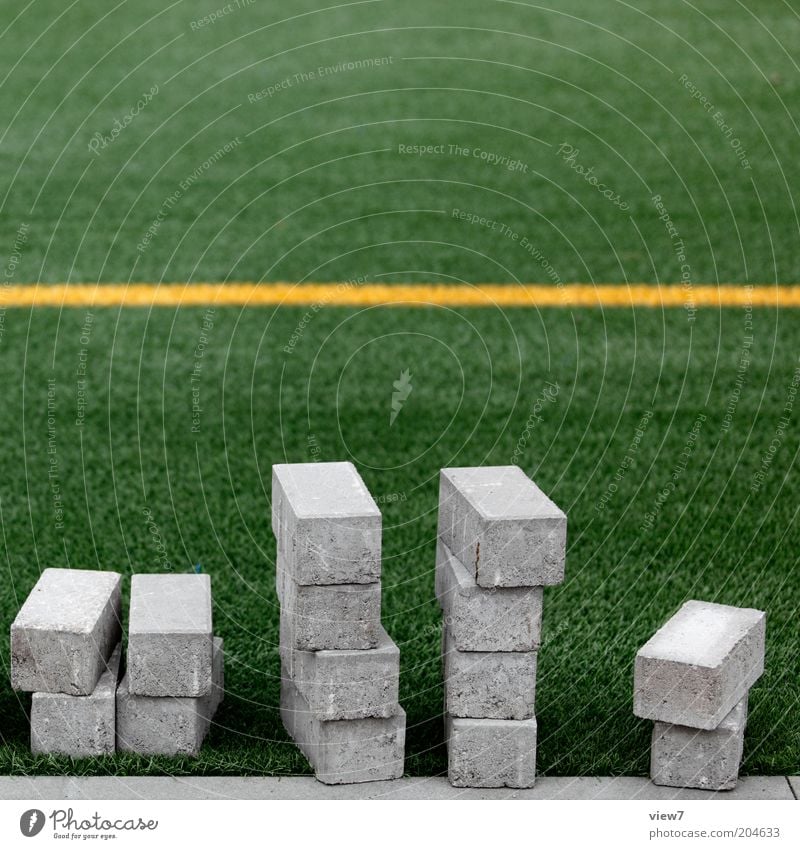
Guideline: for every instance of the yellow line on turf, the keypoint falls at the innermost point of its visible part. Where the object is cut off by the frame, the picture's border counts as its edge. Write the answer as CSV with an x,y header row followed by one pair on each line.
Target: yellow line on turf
x,y
378,294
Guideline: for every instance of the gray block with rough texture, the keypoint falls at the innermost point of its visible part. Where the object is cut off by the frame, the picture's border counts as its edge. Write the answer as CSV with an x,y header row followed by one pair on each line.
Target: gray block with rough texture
x,y
78,726
706,760
346,684
66,631
345,751
699,665
480,619
327,524
502,527
170,635
336,616
168,725
489,685
491,752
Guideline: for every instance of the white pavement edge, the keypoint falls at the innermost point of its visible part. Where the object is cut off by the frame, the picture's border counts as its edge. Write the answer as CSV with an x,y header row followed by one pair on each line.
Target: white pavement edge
x,y
303,787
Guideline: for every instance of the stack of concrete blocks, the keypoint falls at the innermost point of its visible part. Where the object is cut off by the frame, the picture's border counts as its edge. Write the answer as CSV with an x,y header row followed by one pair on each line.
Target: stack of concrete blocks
x,y
500,541
65,649
693,679
174,681
339,668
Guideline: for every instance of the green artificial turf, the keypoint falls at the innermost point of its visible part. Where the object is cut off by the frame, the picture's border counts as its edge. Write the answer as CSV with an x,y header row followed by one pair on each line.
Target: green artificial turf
x,y
244,160
141,491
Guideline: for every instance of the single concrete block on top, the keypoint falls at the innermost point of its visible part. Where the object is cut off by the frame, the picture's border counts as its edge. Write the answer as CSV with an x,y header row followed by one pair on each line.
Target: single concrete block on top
x,y
345,684
502,527
346,751
170,636
66,631
335,616
168,725
491,752
327,524
707,760
78,726
480,619
489,685
699,665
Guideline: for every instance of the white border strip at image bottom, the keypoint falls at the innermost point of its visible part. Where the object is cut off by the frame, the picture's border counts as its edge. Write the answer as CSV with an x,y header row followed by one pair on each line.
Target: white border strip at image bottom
x,y
304,787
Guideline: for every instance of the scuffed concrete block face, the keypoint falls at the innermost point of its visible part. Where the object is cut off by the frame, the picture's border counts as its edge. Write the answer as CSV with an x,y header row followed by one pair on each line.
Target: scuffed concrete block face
x,y
502,527
706,760
699,665
491,752
66,631
489,685
327,524
346,684
170,636
345,751
337,616
167,725
78,726
480,619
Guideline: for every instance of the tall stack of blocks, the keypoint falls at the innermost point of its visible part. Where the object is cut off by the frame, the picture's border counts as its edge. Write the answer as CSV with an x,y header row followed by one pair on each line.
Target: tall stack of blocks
x,y
65,649
693,679
339,668
500,541
174,680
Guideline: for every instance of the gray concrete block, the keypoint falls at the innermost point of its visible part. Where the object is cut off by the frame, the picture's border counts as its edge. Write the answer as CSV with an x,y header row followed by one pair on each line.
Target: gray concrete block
x,y
699,665
481,619
491,752
327,524
168,725
65,631
345,751
78,726
336,616
489,685
705,760
347,684
170,635
502,527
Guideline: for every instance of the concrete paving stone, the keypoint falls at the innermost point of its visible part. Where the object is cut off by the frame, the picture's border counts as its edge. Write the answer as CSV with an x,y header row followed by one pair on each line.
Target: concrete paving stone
x,y
480,619
168,725
335,616
794,783
699,665
78,726
345,751
65,631
491,752
489,685
170,635
327,523
502,527
346,684
706,760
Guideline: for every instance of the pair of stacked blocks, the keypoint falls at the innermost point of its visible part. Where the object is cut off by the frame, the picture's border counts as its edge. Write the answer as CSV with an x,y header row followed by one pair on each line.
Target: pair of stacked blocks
x,y
339,668
500,541
175,678
66,650
693,679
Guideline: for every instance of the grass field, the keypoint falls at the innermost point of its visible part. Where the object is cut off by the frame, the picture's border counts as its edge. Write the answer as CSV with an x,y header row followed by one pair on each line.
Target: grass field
x,y
671,440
